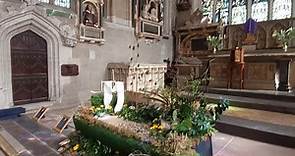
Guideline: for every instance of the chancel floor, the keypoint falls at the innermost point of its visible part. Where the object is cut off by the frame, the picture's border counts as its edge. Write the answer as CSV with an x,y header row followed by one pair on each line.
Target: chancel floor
x,y
39,138
228,145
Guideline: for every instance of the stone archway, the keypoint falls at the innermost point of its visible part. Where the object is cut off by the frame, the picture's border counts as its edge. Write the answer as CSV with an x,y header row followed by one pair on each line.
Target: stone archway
x,y
16,24
29,68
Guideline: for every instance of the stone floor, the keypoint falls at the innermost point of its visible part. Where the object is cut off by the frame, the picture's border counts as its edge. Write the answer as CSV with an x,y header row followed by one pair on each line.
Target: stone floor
x,y
223,144
227,145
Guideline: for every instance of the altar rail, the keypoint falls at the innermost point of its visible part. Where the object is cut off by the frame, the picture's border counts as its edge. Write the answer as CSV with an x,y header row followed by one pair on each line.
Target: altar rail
x,y
138,78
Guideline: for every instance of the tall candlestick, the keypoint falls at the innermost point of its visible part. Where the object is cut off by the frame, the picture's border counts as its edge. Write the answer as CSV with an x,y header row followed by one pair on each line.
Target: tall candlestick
x,y
113,74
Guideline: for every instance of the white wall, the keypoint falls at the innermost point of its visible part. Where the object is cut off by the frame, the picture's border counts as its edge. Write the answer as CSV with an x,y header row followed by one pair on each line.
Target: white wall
x,y
93,59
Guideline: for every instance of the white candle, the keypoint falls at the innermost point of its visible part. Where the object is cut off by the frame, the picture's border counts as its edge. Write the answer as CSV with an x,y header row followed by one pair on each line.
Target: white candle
x,y
113,74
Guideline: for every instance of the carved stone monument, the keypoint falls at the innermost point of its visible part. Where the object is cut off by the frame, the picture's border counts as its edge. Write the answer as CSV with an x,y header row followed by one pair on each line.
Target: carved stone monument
x,y
91,29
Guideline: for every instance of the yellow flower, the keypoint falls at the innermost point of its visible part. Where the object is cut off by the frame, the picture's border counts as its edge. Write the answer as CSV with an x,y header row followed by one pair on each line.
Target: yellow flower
x,y
109,107
92,108
97,109
76,147
154,126
160,127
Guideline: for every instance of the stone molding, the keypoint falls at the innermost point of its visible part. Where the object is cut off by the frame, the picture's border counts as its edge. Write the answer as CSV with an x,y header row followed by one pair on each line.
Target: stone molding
x,y
18,23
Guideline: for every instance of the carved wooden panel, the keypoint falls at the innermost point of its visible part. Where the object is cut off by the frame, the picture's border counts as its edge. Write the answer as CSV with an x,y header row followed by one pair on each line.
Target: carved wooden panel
x,y
219,71
29,68
260,71
235,35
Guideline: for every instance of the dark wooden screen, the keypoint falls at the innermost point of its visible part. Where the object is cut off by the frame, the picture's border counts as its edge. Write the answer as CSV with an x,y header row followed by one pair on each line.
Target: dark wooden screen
x,y
29,68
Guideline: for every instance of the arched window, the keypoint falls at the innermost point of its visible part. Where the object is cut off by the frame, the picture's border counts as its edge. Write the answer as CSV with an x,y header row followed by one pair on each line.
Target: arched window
x,y
221,11
282,9
207,7
239,11
260,10
63,3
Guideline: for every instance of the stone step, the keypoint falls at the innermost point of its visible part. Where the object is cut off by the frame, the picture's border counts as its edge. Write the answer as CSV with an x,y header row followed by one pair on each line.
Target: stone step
x,y
255,103
261,94
270,127
34,137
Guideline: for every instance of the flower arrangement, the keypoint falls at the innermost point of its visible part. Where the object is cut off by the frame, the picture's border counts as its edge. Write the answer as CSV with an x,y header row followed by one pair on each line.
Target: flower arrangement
x,y
179,112
172,121
214,42
284,36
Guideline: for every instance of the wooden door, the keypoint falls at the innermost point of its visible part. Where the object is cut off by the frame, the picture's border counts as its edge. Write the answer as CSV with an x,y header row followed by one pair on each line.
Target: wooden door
x,y
29,68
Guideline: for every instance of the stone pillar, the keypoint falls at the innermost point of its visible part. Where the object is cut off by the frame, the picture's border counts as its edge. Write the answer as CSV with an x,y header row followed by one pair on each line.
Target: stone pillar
x,y
230,11
270,9
196,4
249,9
167,25
284,72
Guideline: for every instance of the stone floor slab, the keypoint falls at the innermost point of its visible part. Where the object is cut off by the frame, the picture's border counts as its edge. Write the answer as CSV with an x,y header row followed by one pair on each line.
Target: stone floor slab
x,y
227,145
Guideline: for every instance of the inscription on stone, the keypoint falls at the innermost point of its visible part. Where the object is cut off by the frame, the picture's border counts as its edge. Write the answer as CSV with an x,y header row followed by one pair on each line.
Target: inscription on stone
x,y
69,70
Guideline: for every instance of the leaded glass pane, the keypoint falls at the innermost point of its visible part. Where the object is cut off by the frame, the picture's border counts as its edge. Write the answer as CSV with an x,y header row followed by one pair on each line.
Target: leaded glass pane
x,y
282,9
44,1
260,10
239,11
63,3
221,12
207,7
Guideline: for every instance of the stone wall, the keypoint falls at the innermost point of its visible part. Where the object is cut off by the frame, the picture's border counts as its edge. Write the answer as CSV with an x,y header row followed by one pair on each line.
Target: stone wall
x,y
61,34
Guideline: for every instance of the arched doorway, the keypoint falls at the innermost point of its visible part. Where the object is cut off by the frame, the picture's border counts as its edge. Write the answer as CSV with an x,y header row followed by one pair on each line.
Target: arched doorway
x,y
29,68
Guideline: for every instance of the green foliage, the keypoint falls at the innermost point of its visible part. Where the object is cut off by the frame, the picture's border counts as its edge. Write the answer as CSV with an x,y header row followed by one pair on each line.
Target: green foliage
x,y
284,36
96,100
214,41
88,147
184,108
98,105
130,113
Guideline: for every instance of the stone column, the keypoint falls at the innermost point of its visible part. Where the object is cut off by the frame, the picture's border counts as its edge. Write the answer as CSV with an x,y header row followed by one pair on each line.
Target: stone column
x,y
230,11
167,18
249,9
196,4
270,9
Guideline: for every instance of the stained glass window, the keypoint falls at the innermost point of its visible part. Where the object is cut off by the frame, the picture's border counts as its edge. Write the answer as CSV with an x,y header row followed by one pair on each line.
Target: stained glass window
x,y
207,7
44,1
239,11
259,10
221,11
282,9
63,3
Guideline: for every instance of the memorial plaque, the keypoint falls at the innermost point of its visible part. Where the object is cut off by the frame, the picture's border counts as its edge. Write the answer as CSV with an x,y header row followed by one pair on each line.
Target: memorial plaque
x,y
62,124
40,113
69,70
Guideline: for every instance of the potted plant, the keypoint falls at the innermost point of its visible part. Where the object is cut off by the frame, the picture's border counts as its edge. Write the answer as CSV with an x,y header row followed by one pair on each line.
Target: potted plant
x,y
284,37
214,42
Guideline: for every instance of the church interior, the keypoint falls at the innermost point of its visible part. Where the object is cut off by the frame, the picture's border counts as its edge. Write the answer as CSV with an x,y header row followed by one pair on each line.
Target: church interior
x,y
147,77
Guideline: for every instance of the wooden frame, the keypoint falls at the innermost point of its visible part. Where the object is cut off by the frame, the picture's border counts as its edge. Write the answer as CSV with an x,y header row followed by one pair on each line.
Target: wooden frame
x,y
62,123
40,113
